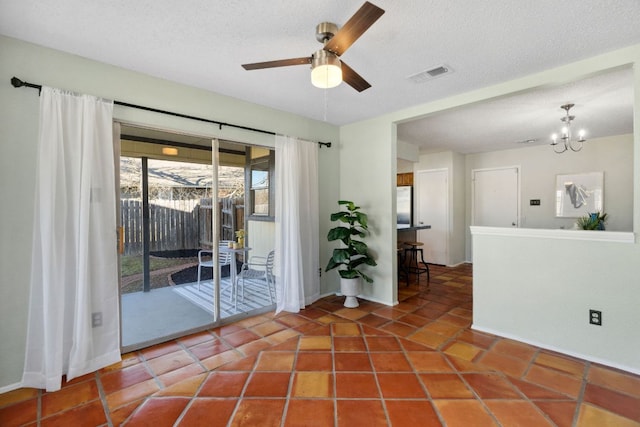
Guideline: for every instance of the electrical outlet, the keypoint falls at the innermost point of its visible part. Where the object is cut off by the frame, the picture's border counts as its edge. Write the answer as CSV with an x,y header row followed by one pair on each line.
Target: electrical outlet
x,y
96,319
534,202
595,317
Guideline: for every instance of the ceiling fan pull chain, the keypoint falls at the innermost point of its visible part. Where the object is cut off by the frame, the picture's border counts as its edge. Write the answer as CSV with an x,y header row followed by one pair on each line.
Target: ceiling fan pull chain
x,y
326,103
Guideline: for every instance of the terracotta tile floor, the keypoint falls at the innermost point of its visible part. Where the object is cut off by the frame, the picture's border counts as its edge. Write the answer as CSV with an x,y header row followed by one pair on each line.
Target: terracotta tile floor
x,y
417,363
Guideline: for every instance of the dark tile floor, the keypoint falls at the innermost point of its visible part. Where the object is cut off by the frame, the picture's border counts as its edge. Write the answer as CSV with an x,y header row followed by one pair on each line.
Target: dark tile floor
x,y
417,363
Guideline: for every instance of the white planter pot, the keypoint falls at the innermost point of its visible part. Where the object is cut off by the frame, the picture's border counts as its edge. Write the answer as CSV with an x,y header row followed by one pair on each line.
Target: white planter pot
x,y
350,288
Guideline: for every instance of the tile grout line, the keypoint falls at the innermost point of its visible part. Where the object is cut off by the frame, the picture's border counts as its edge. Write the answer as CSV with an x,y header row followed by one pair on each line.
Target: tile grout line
x,y
39,409
375,376
206,371
335,376
578,401
580,397
424,387
103,398
291,384
244,387
530,365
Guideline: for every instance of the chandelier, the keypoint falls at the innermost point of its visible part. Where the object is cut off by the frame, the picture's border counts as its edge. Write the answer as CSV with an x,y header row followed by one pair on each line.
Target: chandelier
x,y
565,141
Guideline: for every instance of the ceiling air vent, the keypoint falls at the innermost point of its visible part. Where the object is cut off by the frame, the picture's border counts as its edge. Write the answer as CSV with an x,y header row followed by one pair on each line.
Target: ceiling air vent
x,y
429,74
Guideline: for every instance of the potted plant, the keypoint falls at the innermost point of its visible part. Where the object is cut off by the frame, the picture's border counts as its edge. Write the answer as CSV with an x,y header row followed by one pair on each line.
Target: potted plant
x,y
354,254
592,221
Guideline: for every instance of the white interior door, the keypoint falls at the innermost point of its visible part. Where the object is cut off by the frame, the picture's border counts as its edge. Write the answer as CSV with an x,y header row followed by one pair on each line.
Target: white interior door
x,y
432,202
495,198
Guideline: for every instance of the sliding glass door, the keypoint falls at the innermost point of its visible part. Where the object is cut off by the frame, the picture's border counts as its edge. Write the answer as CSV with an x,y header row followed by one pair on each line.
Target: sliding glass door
x,y
180,205
165,207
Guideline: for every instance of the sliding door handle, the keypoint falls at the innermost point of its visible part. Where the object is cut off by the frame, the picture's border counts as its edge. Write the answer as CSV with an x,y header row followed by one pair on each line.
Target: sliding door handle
x,y
121,240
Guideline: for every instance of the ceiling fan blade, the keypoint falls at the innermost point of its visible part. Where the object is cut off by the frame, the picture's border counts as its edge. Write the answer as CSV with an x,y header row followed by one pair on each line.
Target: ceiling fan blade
x,y
353,79
277,63
354,28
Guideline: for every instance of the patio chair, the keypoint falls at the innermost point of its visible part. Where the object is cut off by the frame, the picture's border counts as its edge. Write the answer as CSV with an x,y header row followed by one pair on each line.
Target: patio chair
x,y
260,270
205,259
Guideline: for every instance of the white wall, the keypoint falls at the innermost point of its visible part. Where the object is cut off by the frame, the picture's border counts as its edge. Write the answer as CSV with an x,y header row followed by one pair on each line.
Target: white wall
x,y
539,166
539,289
457,246
262,237
454,163
18,133
404,166
406,151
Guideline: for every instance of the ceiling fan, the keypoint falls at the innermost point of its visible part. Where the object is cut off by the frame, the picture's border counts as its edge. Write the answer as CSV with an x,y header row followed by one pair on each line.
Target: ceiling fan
x,y
327,70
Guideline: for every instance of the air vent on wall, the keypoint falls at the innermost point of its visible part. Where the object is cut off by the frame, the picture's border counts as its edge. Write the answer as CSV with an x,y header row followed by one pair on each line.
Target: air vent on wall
x,y
430,74
527,141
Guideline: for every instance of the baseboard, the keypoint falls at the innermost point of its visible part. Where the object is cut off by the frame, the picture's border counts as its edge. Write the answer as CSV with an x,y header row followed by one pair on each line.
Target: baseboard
x,y
458,264
366,298
559,350
10,387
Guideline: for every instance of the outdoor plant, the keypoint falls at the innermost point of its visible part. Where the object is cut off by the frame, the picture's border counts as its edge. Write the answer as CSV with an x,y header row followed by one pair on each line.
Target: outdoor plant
x,y
355,253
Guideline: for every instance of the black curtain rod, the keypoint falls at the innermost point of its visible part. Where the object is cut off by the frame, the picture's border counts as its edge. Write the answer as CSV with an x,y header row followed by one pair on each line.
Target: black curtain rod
x,y
16,82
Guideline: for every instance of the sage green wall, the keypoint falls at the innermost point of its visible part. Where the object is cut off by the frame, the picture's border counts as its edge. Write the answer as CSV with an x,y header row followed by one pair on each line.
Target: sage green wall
x,y
368,163
19,131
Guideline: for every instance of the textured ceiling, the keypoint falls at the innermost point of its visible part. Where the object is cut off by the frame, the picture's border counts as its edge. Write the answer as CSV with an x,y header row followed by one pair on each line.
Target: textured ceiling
x,y
603,107
203,43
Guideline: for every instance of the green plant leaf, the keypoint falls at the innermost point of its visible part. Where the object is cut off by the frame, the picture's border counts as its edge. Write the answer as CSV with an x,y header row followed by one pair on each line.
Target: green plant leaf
x,y
365,277
331,265
356,232
362,219
338,233
355,253
340,216
349,274
350,205
362,260
341,255
360,247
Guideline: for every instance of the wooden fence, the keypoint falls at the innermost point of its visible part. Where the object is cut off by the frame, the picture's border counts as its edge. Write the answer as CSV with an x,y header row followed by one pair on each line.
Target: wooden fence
x,y
176,225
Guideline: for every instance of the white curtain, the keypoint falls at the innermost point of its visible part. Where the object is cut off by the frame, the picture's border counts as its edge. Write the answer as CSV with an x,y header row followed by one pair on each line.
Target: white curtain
x,y
73,310
297,243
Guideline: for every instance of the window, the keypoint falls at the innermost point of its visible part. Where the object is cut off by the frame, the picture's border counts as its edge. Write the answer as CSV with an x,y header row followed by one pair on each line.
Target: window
x,y
260,172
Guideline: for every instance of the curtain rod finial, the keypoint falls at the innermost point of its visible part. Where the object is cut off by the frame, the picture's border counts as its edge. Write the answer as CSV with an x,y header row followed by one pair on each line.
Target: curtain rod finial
x,y
16,82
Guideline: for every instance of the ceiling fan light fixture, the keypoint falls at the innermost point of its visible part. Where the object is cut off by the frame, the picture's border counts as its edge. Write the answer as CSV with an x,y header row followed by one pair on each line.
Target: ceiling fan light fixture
x,y
326,70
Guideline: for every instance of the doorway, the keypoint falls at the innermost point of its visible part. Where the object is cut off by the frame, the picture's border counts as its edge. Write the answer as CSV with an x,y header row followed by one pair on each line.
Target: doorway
x,y
432,199
496,197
